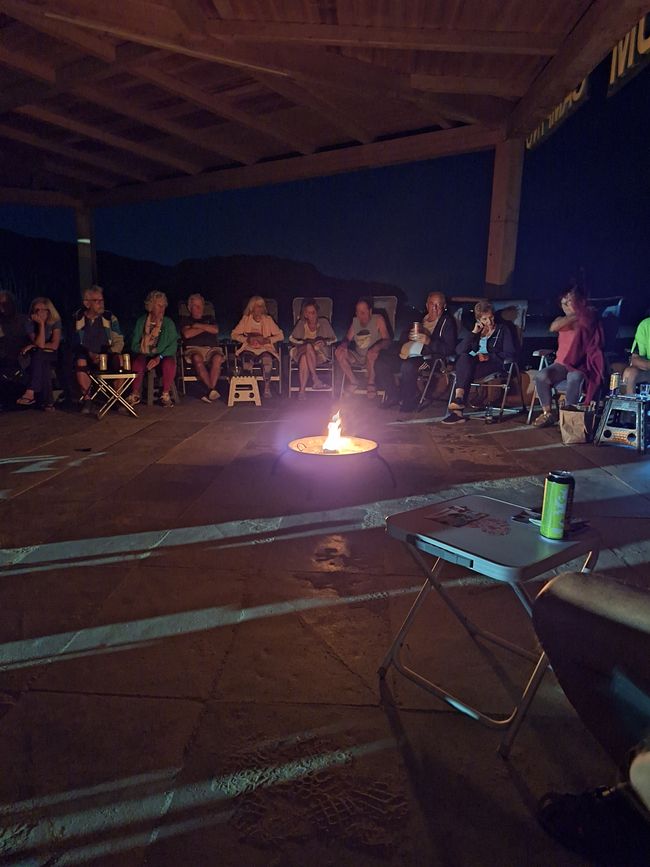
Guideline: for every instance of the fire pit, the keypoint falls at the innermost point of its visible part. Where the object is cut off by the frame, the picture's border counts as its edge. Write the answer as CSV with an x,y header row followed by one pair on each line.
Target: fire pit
x,y
325,450
333,445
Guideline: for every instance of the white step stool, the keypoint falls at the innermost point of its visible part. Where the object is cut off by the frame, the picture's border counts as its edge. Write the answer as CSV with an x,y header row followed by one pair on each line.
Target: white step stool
x,y
244,389
634,435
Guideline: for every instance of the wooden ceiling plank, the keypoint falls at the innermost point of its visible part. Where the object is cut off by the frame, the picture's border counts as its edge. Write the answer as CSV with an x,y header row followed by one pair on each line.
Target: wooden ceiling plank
x,y
588,43
89,43
302,64
409,38
70,153
78,174
408,149
27,64
222,107
14,195
207,139
115,141
468,84
317,103
191,14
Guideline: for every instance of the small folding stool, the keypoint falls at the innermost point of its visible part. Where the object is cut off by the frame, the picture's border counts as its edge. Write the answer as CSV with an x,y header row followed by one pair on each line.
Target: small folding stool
x,y
635,435
244,389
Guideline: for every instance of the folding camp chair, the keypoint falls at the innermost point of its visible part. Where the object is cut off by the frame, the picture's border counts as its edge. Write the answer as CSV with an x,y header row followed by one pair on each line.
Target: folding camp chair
x,y
276,373
325,307
184,371
386,306
510,313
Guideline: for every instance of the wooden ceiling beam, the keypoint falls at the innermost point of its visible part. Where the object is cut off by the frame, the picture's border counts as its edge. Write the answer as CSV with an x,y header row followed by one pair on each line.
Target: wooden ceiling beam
x,y
115,141
89,43
27,64
209,140
408,38
588,43
94,178
302,64
340,120
14,195
70,153
468,84
222,107
408,149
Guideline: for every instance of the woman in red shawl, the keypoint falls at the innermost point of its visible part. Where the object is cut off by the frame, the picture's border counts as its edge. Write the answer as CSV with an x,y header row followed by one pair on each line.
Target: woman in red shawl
x,y
579,362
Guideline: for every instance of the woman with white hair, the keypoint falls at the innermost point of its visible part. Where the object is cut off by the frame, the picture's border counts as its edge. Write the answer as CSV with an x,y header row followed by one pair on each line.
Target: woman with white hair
x,y
258,334
154,344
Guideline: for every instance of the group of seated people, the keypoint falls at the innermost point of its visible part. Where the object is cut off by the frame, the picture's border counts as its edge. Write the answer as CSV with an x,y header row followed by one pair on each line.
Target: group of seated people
x,y
393,367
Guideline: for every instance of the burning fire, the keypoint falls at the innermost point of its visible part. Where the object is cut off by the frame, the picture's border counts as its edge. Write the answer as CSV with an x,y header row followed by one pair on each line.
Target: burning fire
x,y
334,440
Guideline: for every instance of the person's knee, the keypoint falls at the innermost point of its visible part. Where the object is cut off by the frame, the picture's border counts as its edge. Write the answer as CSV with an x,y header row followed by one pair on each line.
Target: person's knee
x,y
341,353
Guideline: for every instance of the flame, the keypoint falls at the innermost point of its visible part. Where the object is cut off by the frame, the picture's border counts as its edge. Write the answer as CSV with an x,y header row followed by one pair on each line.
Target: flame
x,y
334,439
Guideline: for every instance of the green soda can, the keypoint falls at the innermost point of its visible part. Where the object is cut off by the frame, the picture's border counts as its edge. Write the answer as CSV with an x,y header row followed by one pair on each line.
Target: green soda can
x,y
556,509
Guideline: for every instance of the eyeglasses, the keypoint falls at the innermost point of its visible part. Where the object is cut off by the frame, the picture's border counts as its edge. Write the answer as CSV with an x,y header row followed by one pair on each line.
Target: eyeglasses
x,y
40,310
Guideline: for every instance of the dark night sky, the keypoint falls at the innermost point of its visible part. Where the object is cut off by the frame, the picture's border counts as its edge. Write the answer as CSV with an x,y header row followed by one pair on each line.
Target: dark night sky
x,y
584,202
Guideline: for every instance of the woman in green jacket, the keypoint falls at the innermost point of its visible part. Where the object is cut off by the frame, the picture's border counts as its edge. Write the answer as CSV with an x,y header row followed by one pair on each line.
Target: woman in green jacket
x,y
154,344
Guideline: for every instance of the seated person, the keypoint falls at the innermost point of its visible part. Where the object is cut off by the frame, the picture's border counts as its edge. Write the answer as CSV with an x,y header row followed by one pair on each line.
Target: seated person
x,y
154,344
43,329
436,338
365,338
258,334
96,332
200,349
12,340
484,350
639,367
579,357
311,340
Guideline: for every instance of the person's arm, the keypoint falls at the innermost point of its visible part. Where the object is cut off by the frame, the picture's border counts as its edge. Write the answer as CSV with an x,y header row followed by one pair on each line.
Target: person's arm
x,y
384,338
116,336
196,328
297,336
349,335
468,343
505,345
277,334
561,323
137,335
325,331
444,343
239,332
53,343
168,342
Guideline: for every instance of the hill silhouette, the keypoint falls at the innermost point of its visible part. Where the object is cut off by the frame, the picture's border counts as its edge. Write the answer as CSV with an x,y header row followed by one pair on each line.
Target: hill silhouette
x,y
37,266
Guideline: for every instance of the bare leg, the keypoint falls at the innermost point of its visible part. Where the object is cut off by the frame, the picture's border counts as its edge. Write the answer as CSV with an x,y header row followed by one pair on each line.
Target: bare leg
x,y
215,369
82,377
310,355
199,367
344,363
370,367
303,370
629,378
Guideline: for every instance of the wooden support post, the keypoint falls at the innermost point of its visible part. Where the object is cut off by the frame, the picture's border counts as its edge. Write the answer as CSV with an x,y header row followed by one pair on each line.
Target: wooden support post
x,y
85,248
504,218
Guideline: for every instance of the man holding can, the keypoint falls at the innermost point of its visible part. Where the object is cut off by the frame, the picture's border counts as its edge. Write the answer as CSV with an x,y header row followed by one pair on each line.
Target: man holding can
x,y
96,333
638,371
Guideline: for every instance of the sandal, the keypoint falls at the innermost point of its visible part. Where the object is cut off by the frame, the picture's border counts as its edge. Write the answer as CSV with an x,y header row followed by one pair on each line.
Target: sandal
x,y
371,392
26,401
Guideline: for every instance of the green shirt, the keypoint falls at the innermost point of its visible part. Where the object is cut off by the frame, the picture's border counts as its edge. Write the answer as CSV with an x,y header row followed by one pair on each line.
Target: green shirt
x,y
641,343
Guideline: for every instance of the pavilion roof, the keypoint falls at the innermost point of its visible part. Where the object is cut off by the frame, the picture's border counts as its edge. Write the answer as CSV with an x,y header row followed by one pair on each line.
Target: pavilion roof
x,y
107,102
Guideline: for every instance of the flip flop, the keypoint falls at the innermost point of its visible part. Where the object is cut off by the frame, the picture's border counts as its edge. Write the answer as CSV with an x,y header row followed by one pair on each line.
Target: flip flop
x,y
26,401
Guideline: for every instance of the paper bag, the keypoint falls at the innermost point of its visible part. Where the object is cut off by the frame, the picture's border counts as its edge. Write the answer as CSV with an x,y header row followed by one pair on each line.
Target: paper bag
x,y
576,425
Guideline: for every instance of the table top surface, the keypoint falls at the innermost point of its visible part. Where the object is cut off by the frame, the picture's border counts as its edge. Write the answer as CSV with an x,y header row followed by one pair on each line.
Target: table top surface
x,y
479,532
104,374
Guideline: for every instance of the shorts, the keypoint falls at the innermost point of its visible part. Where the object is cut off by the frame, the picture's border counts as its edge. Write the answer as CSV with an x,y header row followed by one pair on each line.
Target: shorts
x,y
322,354
356,357
207,353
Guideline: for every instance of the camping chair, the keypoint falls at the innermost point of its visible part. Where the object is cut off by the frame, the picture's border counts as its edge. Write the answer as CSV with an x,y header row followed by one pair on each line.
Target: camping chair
x,y
512,311
609,309
325,307
276,373
184,371
385,305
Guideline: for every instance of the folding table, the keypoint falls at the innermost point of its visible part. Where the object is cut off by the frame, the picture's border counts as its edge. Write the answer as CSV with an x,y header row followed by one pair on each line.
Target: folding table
x,y
103,383
479,533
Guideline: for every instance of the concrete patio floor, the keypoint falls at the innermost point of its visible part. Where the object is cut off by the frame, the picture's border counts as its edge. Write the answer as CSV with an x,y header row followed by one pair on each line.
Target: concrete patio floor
x,y
190,643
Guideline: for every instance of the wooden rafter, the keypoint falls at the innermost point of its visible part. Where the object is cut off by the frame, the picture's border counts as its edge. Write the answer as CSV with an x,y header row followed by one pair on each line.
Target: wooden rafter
x,y
222,106
318,103
468,84
14,195
27,64
93,178
409,38
70,153
587,44
140,149
407,149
